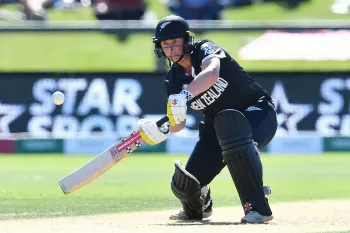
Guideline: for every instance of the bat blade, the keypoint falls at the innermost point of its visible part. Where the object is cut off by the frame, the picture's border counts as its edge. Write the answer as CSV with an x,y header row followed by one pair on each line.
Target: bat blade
x,y
100,163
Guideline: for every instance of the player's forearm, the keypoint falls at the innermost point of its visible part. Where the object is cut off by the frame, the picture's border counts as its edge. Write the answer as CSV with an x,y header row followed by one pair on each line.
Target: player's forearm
x,y
204,80
177,128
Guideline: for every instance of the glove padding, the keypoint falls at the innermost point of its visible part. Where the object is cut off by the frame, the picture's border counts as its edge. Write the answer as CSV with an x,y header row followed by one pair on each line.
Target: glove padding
x,y
150,132
177,109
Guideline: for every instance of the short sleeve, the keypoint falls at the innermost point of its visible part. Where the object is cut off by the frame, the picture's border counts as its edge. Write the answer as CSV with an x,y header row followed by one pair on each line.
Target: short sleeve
x,y
169,83
170,89
208,50
175,80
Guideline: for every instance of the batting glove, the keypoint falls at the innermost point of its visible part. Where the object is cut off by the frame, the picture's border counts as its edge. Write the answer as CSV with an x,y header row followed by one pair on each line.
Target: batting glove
x,y
150,132
177,107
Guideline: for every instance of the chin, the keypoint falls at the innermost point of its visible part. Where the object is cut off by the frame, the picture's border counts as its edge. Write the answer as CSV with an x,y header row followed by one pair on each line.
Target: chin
x,y
175,58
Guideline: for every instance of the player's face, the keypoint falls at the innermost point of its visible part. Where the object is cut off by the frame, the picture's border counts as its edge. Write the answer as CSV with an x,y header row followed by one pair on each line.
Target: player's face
x,y
173,48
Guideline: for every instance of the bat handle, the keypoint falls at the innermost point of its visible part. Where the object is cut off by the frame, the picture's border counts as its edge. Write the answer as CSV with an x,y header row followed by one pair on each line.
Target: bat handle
x,y
162,121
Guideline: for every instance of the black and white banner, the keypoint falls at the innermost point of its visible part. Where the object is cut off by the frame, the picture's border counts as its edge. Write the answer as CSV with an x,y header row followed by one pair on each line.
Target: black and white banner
x,y
113,102
101,102
310,101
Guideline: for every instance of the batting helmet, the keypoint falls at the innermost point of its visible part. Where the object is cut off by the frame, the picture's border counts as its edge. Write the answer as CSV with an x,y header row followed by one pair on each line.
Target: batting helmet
x,y
171,27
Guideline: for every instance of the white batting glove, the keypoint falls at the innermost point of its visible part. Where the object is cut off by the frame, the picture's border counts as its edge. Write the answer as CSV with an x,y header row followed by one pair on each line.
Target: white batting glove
x,y
150,132
177,108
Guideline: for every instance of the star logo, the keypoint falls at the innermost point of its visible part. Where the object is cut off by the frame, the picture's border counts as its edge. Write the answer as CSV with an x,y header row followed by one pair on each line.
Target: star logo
x,y
9,113
288,114
175,101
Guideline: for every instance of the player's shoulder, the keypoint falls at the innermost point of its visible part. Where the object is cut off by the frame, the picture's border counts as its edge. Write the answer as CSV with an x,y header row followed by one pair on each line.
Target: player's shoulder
x,y
204,44
175,72
175,80
205,49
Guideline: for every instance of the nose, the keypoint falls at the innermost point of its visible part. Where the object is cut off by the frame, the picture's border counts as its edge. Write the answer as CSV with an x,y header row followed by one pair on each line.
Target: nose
x,y
174,51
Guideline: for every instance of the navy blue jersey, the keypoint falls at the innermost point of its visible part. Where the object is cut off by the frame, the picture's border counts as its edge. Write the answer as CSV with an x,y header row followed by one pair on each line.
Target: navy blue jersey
x,y
234,89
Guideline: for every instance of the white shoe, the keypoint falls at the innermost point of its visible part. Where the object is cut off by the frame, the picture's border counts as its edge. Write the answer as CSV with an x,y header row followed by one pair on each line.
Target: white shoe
x,y
181,215
255,217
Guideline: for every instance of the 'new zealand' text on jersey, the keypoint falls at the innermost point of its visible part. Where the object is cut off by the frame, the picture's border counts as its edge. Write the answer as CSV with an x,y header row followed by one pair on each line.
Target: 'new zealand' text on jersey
x,y
234,89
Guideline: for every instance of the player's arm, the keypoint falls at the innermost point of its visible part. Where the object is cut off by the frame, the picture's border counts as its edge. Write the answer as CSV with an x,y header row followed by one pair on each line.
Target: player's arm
x,y
178,128
207,77
176,106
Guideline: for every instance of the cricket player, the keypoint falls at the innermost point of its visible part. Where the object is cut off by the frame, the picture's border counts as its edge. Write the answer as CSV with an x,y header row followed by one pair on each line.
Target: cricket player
x,y
238,119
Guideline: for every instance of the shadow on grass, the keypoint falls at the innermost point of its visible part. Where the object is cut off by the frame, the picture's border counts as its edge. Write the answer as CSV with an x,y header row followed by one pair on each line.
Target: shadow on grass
x,y
204,223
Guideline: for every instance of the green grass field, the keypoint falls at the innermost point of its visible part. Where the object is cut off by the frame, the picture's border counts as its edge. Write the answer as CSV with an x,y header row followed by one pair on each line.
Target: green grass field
x,y
103,52
142,182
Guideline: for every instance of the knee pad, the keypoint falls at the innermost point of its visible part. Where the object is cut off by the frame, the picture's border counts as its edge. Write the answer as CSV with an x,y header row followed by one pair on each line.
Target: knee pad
x,y
232,130
234,134
188,190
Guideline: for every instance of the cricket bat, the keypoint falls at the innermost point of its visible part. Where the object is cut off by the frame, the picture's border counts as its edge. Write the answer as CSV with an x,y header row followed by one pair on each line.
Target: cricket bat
x,y
103,162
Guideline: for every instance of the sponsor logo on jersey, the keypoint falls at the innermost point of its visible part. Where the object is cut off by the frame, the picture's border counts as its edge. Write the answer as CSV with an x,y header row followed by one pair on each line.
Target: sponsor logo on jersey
x,y
212,94
208,50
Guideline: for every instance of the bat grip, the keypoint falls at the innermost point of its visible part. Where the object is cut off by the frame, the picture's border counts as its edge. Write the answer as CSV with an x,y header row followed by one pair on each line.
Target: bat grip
x,y
162,121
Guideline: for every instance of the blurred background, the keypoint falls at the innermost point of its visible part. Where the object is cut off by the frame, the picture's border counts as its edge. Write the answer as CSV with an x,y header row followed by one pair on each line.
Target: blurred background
x,y
99,53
